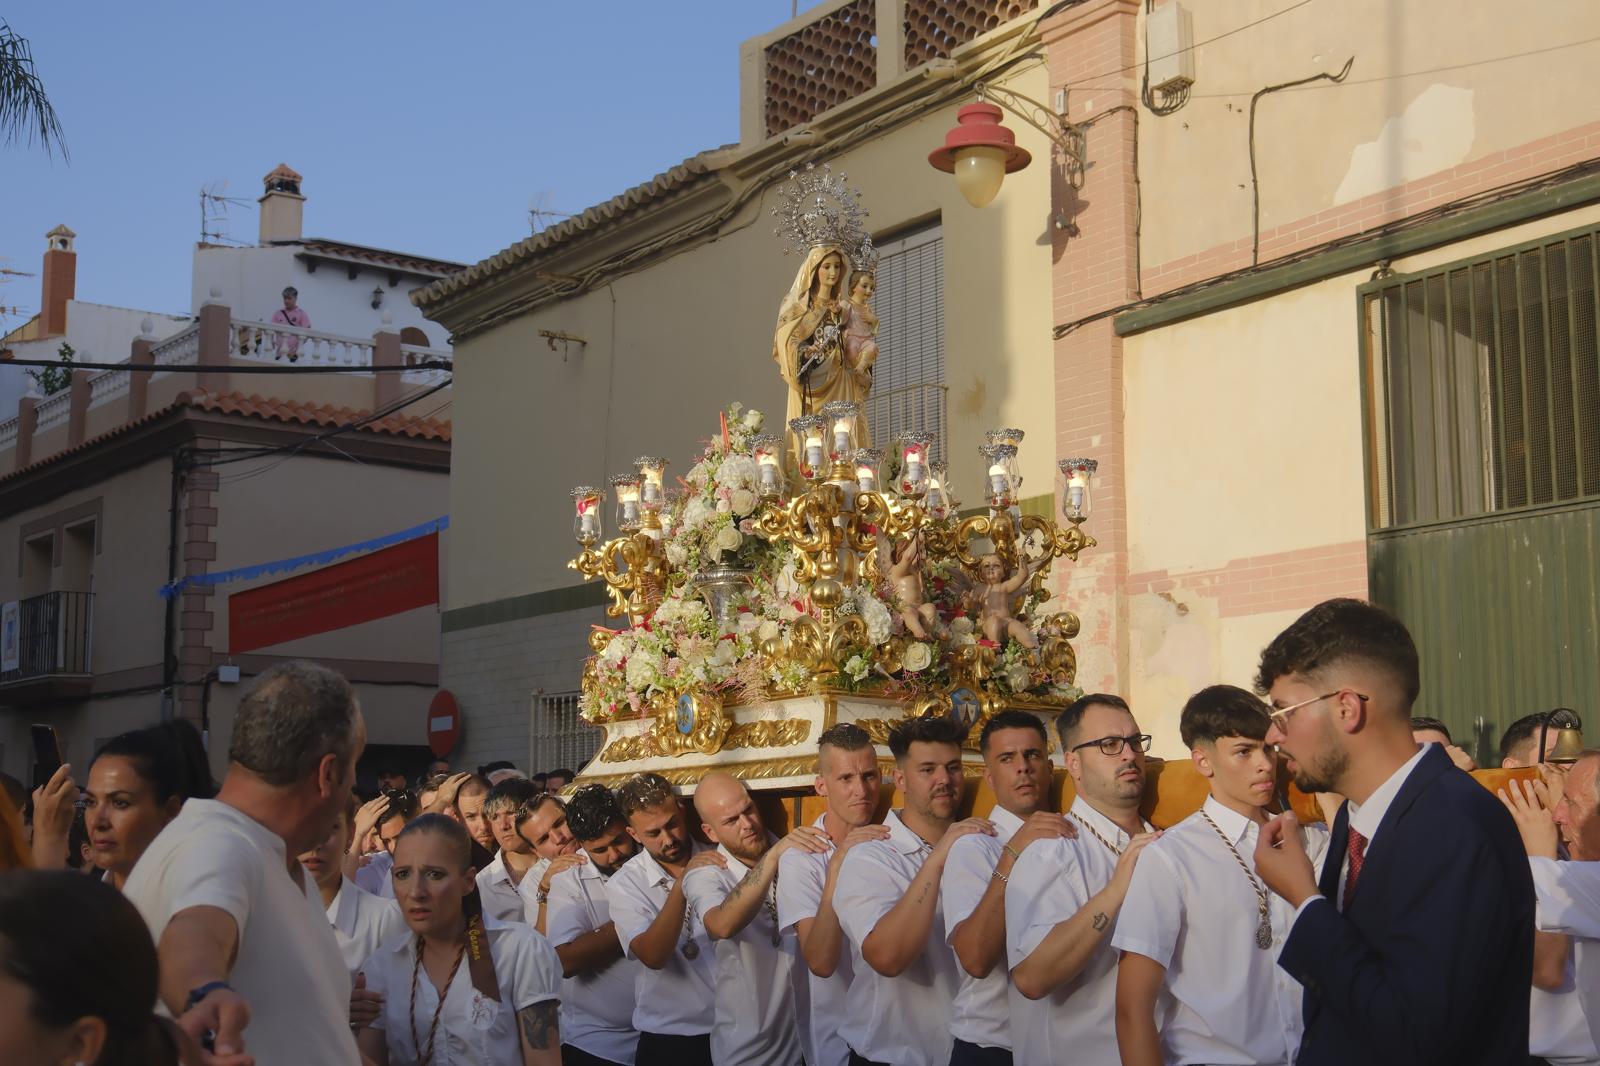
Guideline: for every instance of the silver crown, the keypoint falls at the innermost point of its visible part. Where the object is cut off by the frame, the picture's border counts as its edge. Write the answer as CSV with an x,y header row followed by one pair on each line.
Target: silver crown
x,y
817,209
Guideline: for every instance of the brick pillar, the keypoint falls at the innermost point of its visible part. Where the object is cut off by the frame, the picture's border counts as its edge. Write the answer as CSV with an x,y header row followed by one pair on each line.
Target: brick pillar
x,y
195,616
385,352
215,343
78,412
140,354
1095,269
27,418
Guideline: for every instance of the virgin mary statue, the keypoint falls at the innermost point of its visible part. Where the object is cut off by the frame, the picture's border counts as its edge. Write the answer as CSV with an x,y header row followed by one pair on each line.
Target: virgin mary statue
x,y
809,343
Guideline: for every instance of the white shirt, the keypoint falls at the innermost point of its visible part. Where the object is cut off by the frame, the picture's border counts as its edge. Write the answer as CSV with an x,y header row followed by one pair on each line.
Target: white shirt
x,y
679,998
473,1030
528,891
755,976
1193,910
1365,818
596,1008
1569,902
288,966
1053,881
819,1002
905,1020
981,1013
499,893
373,875
361,922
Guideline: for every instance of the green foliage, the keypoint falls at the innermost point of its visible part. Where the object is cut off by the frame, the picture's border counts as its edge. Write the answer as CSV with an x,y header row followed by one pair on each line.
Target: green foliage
x,y
25,111
52,379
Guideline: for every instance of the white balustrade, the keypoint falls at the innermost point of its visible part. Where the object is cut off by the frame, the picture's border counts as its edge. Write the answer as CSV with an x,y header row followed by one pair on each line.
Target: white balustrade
x,y
180,349
411,354
53,412
8,433
106,386
271,342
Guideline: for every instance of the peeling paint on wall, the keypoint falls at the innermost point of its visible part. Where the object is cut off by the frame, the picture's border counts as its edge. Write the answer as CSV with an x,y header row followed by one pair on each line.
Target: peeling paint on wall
x,y
1434,133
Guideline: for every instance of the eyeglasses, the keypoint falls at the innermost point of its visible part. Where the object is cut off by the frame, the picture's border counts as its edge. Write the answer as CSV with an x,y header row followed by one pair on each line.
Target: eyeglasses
x,y
1280,715
1113,745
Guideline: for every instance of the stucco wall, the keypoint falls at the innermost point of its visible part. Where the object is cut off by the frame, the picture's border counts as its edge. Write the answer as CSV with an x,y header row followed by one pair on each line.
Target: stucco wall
x,y
1435,84
1246,485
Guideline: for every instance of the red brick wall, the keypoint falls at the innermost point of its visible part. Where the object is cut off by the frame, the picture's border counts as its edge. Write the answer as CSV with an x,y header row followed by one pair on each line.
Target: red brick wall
x,y
1260,584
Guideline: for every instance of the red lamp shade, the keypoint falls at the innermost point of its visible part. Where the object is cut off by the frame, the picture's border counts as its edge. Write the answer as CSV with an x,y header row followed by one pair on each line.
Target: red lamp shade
x,y
980,152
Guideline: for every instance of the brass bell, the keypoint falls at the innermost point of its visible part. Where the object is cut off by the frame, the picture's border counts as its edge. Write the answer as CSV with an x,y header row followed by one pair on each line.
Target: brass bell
x,y
1569,736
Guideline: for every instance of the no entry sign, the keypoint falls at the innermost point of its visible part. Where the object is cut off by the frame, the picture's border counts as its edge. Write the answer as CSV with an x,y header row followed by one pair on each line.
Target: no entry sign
x,y
444,723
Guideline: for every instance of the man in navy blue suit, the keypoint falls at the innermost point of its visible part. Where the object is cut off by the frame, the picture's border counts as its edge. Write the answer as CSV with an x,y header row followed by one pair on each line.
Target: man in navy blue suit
x,y
1416,947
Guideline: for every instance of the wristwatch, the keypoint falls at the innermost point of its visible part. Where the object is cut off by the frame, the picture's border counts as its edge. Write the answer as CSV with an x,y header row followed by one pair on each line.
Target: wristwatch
x,y
197,994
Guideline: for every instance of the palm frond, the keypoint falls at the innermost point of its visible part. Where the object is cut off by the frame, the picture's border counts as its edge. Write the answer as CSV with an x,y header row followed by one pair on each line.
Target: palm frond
x,y
25,111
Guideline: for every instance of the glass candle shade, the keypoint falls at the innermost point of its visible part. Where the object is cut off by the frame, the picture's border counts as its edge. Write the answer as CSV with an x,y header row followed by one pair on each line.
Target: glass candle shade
x,y
938,502
1075,501
626,489
586,529
841,418
867,462
1013,438
1001,463
808,431
914,448
769,465
652,478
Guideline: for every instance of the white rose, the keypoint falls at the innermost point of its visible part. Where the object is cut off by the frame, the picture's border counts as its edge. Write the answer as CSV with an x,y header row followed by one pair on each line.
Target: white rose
x,y
728,539
856,668
677,554
696,513
769,630
744,501
918,657
753,420
1018,677
748,623
877,617
961,627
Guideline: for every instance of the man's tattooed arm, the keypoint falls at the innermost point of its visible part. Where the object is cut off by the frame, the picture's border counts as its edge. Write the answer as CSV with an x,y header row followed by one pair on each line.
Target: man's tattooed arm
x,y
1099,921
541,1024
751,876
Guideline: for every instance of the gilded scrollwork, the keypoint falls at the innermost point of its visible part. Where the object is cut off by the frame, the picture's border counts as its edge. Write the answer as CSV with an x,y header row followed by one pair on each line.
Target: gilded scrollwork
x,y
768,733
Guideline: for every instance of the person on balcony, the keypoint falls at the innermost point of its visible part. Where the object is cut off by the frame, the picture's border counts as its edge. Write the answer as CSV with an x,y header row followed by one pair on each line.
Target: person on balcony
x,y
287,345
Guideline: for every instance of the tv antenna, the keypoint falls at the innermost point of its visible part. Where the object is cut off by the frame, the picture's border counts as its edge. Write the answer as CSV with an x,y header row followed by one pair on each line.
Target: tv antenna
x,y
541,217
214,203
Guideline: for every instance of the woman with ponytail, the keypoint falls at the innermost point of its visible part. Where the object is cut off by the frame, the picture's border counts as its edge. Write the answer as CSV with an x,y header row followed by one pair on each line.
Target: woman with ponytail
x,y
459,986
137,784
78,977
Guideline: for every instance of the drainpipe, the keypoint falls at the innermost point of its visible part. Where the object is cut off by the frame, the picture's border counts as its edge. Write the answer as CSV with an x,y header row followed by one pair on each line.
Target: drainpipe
x,y
169,653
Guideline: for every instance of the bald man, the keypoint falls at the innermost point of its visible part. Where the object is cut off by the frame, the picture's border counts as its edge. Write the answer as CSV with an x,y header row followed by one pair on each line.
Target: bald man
x,y
756,965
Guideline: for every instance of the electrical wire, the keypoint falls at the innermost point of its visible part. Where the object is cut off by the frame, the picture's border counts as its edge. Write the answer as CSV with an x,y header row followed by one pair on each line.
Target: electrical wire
x,y
233,368
1198,44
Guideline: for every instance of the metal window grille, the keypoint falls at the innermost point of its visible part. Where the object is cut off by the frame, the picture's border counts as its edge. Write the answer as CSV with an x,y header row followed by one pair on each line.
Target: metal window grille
x,y
908,390
559,738
1483,384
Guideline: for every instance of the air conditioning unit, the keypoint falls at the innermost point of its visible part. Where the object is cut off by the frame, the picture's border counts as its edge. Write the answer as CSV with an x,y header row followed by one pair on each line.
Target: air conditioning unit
x,y
1169,46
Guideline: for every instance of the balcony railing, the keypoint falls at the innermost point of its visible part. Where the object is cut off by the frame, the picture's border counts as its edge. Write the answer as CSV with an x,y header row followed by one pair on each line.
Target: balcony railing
x,y
54,636
919,408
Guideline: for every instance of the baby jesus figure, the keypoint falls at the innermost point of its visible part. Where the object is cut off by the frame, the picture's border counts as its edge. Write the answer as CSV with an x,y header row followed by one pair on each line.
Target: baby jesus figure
x,y
861,330
921,618
994,593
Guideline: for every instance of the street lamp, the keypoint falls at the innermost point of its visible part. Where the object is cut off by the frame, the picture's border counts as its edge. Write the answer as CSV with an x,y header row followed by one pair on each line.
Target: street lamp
x,y
980,151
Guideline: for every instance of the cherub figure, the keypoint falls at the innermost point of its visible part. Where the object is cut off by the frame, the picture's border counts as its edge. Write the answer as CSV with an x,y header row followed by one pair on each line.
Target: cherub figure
x,y
921,618
993,595
861,330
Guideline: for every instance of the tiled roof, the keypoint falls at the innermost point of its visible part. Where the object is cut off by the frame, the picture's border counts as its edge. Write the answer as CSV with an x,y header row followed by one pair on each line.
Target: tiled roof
x,y
234,403
312,414
416,264
618,207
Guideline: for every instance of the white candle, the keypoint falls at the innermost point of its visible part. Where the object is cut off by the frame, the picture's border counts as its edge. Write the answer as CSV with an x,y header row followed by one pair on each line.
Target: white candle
x,y
998,485
841,436
814,452
769,472
1076,484
591,524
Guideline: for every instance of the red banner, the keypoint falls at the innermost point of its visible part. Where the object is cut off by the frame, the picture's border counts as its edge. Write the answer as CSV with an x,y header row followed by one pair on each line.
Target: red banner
x,y
386,582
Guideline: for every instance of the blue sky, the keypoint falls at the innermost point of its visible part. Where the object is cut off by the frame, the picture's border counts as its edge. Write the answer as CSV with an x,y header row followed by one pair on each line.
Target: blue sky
x,y
422,127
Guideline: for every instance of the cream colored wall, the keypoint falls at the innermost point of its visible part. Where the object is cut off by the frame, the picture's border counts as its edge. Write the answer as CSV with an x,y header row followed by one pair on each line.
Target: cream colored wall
x,y
671,345
310,504
1390,123
1244,439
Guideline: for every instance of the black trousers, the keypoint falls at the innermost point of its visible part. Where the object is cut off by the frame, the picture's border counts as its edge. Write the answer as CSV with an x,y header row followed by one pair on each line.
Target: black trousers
x,y
576,1056
965,1054
659,1049
857,1060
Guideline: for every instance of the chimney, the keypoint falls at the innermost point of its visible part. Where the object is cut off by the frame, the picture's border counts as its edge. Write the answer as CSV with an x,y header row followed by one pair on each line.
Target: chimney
x,y
281,206
60,282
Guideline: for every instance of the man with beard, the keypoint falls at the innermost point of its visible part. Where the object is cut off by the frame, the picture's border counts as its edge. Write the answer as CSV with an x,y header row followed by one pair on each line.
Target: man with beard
x,y
1198,928
1564,1011
655,924
597,998
1064,895
755,1019
889,906
1016,764
542,822
1417,944
497,882
848,779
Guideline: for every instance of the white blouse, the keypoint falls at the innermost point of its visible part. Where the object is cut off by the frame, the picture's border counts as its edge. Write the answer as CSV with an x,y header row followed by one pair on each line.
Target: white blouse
x,y
473,1031
361,922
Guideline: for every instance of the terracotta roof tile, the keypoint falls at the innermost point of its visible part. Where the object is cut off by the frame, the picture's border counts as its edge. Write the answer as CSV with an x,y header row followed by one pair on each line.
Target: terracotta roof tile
x,y
693,169
416,264
312,414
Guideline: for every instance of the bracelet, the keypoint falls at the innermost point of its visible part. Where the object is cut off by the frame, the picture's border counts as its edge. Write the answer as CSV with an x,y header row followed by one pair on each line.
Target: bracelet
x,y
1004,880
541,896
200,993
1016,856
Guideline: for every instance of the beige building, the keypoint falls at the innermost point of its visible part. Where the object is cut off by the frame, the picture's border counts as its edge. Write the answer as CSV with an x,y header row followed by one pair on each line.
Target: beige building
x,y
1315,286
129,480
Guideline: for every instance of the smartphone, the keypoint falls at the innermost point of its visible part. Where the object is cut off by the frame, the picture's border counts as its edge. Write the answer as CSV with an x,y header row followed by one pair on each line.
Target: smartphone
x,y
46,754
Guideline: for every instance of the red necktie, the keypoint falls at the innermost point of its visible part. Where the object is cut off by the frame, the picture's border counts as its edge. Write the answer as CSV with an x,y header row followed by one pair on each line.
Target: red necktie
x,y
1356,848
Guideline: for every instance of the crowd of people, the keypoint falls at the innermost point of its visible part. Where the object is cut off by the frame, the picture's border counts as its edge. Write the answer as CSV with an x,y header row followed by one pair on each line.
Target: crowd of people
x,y
483,918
